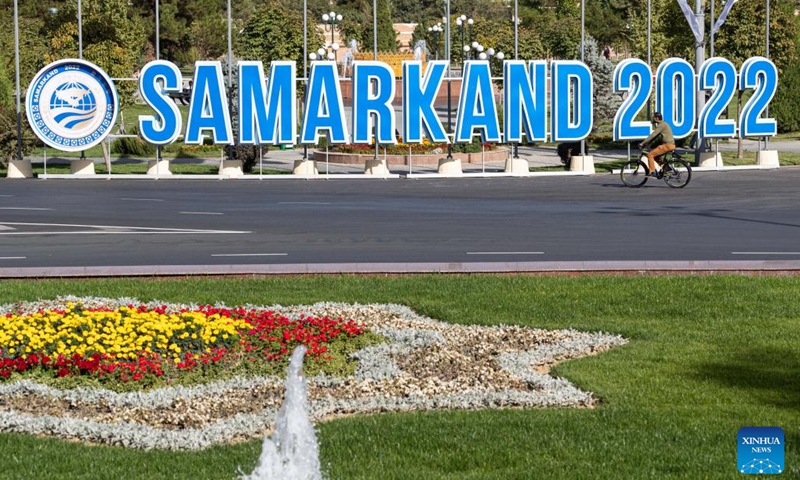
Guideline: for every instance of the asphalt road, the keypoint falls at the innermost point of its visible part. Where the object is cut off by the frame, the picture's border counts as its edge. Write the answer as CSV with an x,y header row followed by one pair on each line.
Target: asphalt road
x,y
722,220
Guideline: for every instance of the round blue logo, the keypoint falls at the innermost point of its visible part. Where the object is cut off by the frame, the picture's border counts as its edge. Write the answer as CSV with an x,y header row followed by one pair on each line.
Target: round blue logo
x,y
72,105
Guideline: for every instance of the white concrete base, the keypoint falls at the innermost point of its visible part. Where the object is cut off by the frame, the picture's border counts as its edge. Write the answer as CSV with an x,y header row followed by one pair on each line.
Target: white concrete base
x,y
231,168
305,167
156,167
517,165
583,164
710,159
81,166
19,169
376,167
450,166
768,158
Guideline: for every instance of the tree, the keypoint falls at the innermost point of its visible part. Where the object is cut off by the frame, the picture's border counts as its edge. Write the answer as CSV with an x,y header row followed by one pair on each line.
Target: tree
x,y
8,121
786,108
387,37
606,21
606,101
110,40
558,25
209,36
743,35
275,33
415,11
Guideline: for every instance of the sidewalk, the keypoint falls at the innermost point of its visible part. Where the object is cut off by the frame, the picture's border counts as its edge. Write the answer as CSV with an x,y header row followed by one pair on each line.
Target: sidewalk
x,y
283,160
276,158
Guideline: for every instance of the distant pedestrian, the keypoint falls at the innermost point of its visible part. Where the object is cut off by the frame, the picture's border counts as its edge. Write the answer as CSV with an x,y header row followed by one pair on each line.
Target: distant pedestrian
x,y
607,52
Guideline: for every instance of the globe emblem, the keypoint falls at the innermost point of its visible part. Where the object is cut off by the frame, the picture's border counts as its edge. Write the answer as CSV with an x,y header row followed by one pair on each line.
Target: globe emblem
x,y
73,105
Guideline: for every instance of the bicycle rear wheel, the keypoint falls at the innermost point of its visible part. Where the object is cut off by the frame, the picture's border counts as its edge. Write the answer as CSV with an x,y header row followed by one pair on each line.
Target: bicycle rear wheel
x,y
634,173
677,173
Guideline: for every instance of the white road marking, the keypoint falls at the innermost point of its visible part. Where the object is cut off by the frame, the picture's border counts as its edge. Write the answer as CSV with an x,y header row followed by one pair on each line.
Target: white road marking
x,y
505,253
144,199
111,229
201,213
3,227
249,254
5,196
304,203
765,253
23,208
13,258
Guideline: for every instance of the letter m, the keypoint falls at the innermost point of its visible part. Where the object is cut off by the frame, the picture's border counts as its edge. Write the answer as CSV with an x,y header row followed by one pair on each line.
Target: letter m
x,y
266,107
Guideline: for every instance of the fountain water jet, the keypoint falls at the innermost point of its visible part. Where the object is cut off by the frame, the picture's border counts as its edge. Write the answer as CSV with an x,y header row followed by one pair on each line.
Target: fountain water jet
x,y
291,452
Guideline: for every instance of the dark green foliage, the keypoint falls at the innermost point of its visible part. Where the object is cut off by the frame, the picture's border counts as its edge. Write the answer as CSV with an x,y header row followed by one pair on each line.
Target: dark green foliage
x,y
247,154
785,108
8,121
606,20
386,33
275,33
133,147
558,27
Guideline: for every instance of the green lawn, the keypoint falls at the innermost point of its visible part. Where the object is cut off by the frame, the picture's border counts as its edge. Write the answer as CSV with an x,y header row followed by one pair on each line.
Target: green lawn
x,y
708,355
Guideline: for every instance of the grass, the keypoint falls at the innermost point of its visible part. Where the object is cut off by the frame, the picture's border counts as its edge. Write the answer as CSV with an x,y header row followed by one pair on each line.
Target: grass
x,y
708,355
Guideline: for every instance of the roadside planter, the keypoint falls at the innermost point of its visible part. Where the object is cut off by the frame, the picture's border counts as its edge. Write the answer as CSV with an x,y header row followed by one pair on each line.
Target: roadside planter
x,y
426,154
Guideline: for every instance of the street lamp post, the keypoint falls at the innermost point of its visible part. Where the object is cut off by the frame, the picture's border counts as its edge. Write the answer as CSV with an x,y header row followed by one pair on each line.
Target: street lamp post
x,y
446,21
331,18
17,91
437,30
462,23
490,54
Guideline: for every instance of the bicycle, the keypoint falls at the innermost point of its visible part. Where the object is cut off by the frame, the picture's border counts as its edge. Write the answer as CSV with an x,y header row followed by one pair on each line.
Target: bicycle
x,y
675,171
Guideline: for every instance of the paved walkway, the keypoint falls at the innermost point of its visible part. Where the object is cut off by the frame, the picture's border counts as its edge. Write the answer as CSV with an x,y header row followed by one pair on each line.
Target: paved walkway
x,y
539,156
536,156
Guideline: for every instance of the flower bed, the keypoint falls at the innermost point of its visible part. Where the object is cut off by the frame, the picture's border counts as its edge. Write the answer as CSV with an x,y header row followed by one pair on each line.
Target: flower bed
x,y
421,154
159,345
423,364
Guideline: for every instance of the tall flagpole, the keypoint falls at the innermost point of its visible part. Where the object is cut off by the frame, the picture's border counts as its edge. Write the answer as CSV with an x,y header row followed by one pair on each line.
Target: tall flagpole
x,y
649,57
80,49
711,33
375,57
583,56
766,138
515,145
16,67
158,57
80,31
516,29
447,57
230,71
305,64
699,58
158,33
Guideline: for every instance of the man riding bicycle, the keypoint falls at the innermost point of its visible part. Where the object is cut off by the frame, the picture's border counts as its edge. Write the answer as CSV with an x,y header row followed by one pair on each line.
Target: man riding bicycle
x,y
662,139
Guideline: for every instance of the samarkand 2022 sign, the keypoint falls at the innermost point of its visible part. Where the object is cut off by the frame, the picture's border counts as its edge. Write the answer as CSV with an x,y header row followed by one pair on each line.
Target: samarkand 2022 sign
x,y
72,104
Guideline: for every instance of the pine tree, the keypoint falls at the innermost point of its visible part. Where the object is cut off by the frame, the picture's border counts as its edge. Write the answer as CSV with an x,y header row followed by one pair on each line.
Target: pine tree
x,y
387,37
606,102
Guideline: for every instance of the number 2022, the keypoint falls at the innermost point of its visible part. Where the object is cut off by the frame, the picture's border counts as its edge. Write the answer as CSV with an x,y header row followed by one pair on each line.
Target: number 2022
x,y
676,87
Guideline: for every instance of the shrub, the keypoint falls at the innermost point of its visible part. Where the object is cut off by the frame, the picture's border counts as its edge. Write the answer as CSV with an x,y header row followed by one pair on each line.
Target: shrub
x,y
247,154
134,147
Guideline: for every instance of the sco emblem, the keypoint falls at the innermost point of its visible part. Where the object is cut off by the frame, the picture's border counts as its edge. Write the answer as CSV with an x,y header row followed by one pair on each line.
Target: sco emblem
x,y
71,105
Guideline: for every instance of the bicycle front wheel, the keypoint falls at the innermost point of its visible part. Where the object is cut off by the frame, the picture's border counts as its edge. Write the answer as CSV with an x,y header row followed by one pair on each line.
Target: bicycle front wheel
x,y
677,173
634,173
